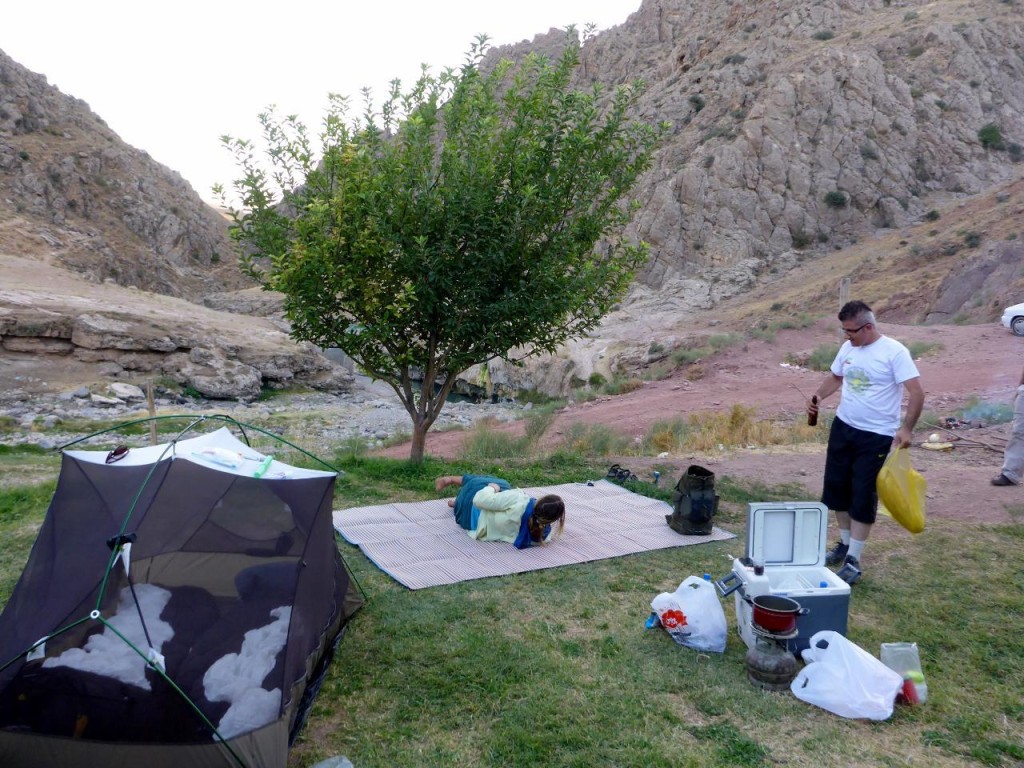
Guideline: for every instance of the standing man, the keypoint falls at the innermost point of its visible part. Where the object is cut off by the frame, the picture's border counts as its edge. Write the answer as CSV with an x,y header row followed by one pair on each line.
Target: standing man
x,y
873,371
1013,456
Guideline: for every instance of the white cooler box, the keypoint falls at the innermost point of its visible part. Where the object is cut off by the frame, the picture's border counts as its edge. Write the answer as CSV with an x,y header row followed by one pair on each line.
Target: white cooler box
x,y
789,539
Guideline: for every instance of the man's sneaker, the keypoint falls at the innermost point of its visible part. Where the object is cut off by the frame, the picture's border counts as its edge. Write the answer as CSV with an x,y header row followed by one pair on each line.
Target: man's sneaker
x,y
1002,480
850,572
837,554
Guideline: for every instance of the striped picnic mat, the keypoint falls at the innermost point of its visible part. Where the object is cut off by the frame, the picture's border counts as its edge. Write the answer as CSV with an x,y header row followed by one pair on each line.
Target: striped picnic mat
x,y
420,545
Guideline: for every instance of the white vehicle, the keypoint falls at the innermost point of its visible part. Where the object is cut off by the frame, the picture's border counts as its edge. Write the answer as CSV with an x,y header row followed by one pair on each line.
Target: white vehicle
x,y
1013,318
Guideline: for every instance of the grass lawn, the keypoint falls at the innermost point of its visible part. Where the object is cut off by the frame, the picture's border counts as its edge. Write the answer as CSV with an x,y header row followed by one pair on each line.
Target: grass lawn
x,y
555,668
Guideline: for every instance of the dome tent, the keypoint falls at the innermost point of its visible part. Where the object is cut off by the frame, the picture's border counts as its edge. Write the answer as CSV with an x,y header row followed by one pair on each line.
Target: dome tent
x,y
179,607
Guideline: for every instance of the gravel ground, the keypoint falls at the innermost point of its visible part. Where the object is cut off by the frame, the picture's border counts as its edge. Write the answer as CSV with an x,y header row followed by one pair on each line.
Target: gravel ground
x,y
371,413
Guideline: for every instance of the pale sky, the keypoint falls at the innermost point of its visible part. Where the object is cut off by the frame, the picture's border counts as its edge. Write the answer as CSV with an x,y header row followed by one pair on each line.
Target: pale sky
x,y
171,78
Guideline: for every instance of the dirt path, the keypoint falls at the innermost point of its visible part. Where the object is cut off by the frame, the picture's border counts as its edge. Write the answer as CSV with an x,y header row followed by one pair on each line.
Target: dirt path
x,y
979,362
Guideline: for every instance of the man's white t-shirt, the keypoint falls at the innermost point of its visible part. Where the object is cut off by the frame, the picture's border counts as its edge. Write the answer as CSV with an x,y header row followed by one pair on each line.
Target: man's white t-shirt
x,y
873,377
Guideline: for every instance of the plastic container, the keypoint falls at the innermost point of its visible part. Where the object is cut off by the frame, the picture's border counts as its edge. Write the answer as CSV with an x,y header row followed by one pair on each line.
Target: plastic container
x,y
904,659
757,583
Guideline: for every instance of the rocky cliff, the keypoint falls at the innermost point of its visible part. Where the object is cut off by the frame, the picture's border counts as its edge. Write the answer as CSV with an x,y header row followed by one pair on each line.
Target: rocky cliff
x,y
803,127
71,190
106,256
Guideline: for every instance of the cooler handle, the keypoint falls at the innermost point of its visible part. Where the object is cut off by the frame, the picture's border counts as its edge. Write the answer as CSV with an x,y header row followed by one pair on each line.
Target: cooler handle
x,y
727,590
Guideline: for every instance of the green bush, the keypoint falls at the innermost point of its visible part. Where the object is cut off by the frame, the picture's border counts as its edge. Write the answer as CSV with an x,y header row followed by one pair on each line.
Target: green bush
x,y
801,239
595,440
620,385
687,355
524,396
696,101
921,348
824,34
835,199
799,320
822,356
720,341
991,136
932,215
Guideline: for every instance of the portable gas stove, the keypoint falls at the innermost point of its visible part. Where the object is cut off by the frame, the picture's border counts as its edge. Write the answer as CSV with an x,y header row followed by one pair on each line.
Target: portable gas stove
x,y
770,663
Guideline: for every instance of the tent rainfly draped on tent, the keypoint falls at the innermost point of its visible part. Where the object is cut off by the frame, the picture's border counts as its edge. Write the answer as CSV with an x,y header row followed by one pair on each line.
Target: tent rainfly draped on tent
x,y
178,608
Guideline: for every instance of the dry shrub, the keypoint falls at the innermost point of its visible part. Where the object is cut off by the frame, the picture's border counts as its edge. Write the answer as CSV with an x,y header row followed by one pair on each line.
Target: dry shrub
x,y
594,440
735,427
694,372
666,436
620,385
706,431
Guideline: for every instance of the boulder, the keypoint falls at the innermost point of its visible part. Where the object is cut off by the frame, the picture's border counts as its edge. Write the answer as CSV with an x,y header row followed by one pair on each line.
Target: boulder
x,y
127,392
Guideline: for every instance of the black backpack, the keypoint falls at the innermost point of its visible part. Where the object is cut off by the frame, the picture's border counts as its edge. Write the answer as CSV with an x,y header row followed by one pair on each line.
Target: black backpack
x,y
694,502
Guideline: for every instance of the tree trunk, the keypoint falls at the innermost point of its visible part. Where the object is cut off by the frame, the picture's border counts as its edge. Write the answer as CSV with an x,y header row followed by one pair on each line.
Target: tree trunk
x,y
419,441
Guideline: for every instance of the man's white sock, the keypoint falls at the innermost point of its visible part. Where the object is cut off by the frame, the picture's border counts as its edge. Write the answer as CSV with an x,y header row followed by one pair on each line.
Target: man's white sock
x,y
844,535
856,548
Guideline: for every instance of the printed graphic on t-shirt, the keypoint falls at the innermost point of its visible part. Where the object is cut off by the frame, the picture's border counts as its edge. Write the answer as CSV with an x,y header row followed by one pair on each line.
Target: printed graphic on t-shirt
x,y
857,379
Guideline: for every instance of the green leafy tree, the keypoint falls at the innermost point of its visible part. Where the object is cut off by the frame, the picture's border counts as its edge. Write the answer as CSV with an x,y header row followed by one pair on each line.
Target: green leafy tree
x,y
476,215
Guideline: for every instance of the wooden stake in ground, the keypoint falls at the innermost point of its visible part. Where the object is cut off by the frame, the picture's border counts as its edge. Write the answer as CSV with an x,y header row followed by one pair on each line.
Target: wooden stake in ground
x,y
152,412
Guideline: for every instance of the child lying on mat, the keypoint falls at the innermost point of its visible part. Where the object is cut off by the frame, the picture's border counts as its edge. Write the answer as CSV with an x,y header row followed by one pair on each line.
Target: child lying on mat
x,y
491,510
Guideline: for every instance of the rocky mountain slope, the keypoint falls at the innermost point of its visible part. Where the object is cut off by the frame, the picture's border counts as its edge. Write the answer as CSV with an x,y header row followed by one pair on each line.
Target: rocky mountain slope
x,y
805,126
875,140
111,264
890,131
72,191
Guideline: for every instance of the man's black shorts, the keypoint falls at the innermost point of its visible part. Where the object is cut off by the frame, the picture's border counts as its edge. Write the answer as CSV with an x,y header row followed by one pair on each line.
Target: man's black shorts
x,y
852,464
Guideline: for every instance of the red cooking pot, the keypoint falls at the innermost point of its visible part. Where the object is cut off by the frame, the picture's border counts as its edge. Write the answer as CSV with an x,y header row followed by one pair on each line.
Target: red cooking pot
x,y
776,613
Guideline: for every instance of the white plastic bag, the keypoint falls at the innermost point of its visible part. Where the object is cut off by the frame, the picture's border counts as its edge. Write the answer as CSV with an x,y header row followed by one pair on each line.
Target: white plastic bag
x,y
692,615
845,679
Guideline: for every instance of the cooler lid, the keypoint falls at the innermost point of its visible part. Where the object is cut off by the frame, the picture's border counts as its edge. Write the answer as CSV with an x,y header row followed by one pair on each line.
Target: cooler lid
x,y
781,533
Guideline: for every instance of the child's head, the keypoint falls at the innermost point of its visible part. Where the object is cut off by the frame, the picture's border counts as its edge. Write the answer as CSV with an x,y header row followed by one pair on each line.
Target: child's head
x,y
548,510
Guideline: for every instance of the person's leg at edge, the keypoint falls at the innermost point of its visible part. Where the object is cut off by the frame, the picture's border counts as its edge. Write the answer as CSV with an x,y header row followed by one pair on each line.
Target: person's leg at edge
x,y
444,481
853,533
859,533
871,452
837,487
1013,456
843,521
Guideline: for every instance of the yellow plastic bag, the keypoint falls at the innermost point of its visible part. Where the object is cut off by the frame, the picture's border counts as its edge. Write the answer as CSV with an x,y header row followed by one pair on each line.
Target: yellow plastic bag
x,y
901,491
